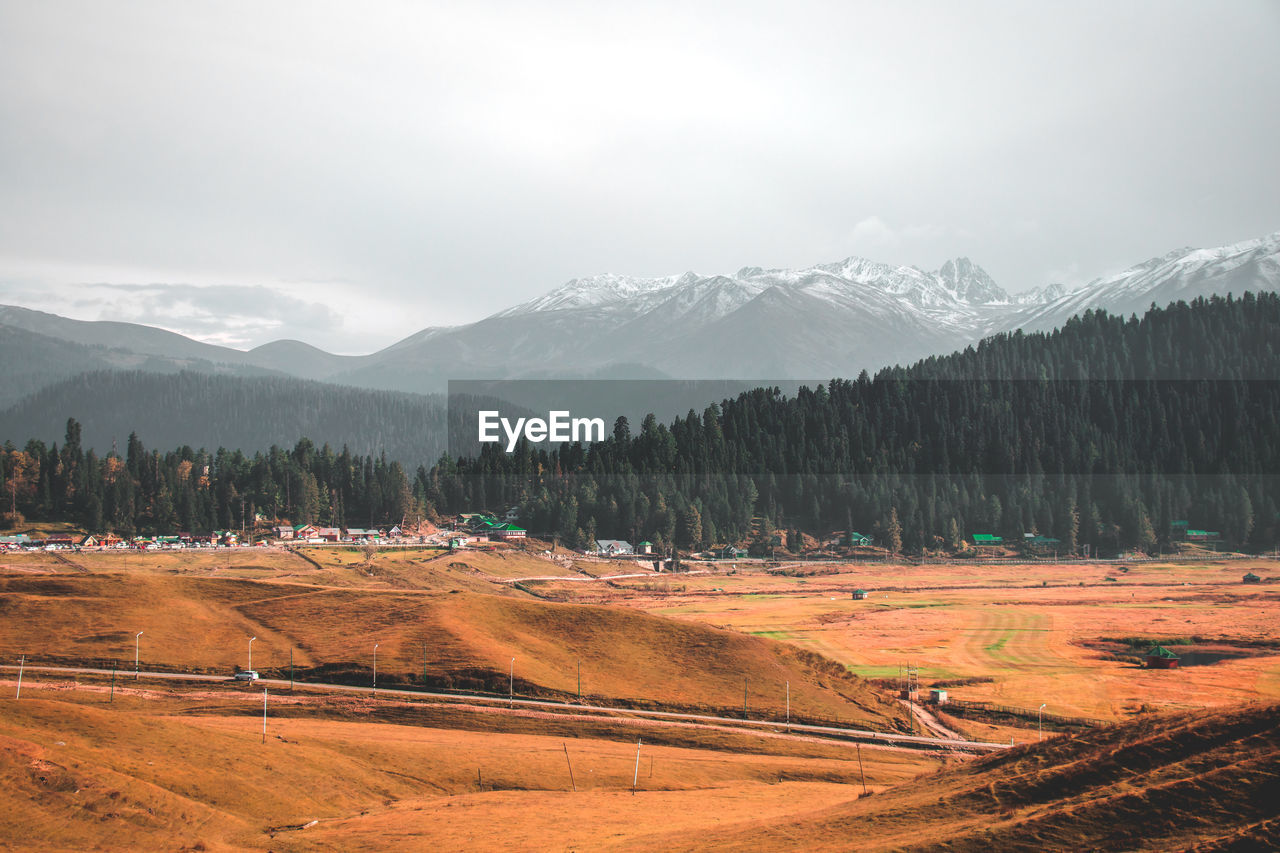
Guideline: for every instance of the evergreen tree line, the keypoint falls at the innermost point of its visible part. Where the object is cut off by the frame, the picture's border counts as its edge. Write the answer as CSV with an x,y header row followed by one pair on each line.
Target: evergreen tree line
x,y
1102,433
146,492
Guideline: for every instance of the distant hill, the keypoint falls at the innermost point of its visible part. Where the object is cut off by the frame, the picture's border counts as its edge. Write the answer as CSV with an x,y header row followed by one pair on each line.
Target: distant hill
x,y
44,349
245,413
1205,781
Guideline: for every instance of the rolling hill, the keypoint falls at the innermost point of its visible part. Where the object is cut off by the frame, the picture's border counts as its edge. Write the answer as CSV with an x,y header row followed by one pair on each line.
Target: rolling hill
x,y
250,414
468,639
1203,781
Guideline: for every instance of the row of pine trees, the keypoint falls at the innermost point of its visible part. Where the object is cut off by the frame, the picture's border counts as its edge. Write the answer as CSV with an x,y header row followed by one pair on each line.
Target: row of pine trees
x,y
146,492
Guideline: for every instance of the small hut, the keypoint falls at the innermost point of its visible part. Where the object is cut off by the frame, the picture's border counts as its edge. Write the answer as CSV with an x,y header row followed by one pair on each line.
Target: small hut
x,y
1251,578
859,594
1161,658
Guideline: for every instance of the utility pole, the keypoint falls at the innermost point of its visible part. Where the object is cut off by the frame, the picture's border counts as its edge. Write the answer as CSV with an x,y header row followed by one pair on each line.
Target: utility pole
x,y
861,772
375,669
135,655
636,778
113,682
22,663
251,639
291,669
264,715
1040,721
570,763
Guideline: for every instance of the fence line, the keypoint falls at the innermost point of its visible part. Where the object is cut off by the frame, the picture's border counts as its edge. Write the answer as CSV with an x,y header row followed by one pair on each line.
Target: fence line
x,y
1022,713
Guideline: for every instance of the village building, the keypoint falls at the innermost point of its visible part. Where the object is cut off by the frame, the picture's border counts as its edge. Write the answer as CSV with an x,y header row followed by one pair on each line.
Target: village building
x,y
474,520
282,532
1034,543
363,534
1251,578
1161,658
987,541
859,594
613,548
507,531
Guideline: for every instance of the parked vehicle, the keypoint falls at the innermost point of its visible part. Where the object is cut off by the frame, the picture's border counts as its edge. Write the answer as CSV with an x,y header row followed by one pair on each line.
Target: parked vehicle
x,y
246,675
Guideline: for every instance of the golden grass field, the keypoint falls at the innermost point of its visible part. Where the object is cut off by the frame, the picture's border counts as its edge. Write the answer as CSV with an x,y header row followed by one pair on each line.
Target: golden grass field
x,y
160,765
185,768
1025,627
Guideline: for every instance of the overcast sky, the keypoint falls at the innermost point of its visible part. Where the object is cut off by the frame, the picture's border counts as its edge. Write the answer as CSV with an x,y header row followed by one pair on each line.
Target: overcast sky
x,y
349,173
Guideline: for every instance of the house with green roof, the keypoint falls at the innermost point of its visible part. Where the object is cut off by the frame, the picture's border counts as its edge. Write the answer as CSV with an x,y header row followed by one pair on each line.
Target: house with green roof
x,y
506,531
1161,658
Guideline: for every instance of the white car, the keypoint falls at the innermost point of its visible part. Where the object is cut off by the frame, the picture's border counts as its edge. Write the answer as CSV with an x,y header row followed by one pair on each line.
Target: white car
x,y
246,675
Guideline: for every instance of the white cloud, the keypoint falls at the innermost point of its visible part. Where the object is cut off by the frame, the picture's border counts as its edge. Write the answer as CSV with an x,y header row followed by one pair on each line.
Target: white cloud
x,y
427,163
873,234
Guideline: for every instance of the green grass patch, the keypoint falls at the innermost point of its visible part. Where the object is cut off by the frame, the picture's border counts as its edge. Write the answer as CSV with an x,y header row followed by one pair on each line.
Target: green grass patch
x,y
775,635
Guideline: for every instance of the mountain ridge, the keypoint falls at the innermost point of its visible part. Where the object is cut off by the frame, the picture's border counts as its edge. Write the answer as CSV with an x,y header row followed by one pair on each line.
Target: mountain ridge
x,y
827,319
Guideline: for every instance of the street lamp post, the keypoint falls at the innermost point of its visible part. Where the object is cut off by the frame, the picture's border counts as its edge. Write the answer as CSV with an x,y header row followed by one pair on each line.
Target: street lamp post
x,y
1040,721
251,639
135,654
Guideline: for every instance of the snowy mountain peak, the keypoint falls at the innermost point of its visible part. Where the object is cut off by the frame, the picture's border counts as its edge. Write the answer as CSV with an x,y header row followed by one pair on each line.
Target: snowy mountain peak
x,y
1184,274
970,282
598,290
1040,295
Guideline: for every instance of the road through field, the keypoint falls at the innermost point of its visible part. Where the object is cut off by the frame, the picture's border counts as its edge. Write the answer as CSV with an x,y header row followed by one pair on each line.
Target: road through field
x,y
948,744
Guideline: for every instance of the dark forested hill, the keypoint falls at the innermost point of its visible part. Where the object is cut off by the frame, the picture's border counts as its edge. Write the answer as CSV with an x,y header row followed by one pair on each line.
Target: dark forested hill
x,y
924,457
250,414
1214,338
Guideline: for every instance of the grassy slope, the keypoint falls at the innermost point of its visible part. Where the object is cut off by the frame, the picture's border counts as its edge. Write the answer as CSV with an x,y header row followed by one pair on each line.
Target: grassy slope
x,y
159,769
398,568
1208,779
203,623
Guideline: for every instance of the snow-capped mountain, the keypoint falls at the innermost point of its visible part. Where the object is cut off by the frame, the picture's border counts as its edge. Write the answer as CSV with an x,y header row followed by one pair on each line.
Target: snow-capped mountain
x,y
1184,274
833,319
